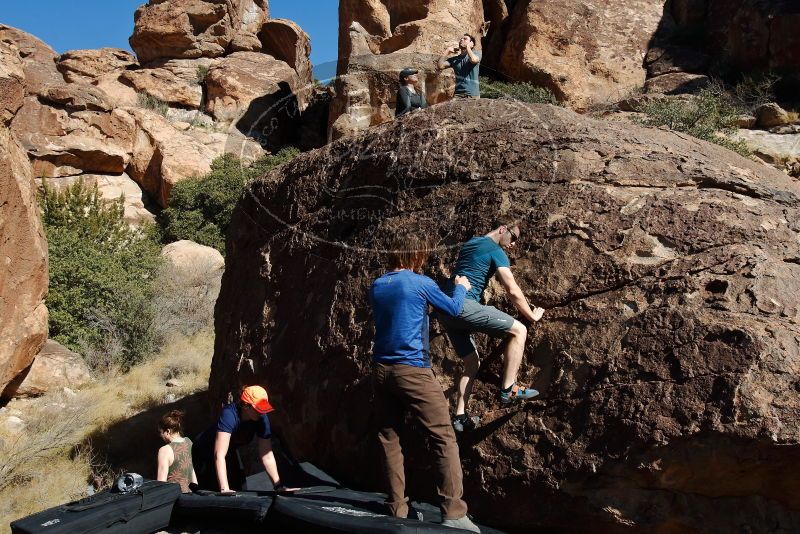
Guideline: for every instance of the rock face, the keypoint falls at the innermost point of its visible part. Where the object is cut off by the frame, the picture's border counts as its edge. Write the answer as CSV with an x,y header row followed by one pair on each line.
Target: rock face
x,y
378,39
88,65
38,60
162,156
286,41
751,36
668,357
56,367
196,28
586,52
23,252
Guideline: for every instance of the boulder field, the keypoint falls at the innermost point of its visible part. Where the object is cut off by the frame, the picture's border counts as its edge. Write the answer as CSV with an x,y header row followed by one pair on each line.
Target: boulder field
x,y
668,356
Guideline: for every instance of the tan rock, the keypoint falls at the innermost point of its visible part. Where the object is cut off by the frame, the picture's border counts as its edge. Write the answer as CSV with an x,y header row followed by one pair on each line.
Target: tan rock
x,y
62,144
117,93
12,83
196,28
76,97
232,142
777,149
745,121
286,41
194,272
55,368
89,65
377,40
164,85
23,254
249,89
771,114
586,52
676,83
38,60
163,155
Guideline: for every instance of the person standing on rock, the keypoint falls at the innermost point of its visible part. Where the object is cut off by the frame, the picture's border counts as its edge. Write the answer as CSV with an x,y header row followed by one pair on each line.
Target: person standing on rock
x,y
408,96
465,64
479,259
214,453
404,381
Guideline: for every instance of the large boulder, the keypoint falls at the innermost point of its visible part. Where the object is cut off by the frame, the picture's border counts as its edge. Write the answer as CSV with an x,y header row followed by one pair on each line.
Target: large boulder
x,y
196,28
378,39
23,250
668,356
730,36
89,65
586,52
162,155
166,86
257,93
70,130
12,83
286,41
189,284
55,368
38,60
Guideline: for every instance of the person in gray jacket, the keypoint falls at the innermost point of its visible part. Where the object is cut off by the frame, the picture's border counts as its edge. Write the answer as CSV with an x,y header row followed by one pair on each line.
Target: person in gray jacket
x,y
408,96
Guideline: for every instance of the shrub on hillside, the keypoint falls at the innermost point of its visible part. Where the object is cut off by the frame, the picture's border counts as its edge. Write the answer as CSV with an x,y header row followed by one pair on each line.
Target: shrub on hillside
x,y
522,91
200,209
706,116
101,277
147,101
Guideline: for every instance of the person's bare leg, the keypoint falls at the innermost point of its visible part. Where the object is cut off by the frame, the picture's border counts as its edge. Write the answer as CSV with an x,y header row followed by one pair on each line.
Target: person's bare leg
x,y
515,346
466,381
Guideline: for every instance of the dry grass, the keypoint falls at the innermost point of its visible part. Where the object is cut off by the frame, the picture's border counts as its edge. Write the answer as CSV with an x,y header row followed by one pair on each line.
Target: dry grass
x,y
50,461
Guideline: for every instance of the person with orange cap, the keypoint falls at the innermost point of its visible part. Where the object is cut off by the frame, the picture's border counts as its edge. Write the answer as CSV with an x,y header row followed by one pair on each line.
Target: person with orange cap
x,y
214,453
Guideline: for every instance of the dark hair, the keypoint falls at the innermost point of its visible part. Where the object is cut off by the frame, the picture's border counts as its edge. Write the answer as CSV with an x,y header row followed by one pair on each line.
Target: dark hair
x,y
407,251
471,38
508,223
172,422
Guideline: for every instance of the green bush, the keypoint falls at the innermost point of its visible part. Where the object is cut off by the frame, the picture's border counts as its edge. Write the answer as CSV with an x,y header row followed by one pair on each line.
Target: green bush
x,y
522,91
200,209
201,73
101,277
705,116
148,101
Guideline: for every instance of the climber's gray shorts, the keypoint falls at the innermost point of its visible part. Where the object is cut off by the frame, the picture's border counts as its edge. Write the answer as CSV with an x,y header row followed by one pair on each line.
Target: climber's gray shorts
x,y
474,317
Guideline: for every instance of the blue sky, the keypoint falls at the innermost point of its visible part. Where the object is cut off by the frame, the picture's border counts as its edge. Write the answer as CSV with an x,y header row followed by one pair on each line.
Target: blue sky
x,y
68,25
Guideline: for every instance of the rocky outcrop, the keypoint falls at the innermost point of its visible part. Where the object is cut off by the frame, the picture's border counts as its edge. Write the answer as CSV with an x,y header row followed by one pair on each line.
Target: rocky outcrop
x,y
55,368
196,28
378,39
668,356
38,61
89,65
286,41
71,139
23,278
12,83
194,272
256,93
586,52
162,156
166,86
729,36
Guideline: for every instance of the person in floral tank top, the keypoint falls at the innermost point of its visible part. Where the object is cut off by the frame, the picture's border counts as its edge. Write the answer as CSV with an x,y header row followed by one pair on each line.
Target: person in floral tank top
x,y
175,458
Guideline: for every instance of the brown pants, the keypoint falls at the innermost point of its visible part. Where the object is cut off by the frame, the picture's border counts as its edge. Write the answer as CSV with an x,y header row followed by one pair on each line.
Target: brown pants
x,y
402,387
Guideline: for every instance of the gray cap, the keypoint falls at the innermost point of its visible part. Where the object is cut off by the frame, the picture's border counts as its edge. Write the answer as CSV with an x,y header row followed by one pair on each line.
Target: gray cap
x,y
408,71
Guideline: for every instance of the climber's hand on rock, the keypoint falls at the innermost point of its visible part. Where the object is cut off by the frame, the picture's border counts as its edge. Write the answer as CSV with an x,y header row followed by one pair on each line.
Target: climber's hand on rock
x,y
463,281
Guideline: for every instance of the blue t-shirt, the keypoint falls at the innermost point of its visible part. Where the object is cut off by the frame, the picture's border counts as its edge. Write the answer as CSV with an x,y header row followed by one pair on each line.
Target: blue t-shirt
x,y
230,421
478,260
466,74
400,309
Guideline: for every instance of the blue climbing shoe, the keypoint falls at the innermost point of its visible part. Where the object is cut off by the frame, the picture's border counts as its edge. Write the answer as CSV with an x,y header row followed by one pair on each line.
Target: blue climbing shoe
x,y
517,394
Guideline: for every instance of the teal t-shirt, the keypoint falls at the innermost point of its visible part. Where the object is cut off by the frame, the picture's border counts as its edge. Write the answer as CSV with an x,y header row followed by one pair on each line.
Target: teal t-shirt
x,y
478,260
466,74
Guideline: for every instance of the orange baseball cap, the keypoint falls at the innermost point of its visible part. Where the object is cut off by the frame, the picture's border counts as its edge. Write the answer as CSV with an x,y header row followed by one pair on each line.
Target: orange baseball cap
x,y
257,397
